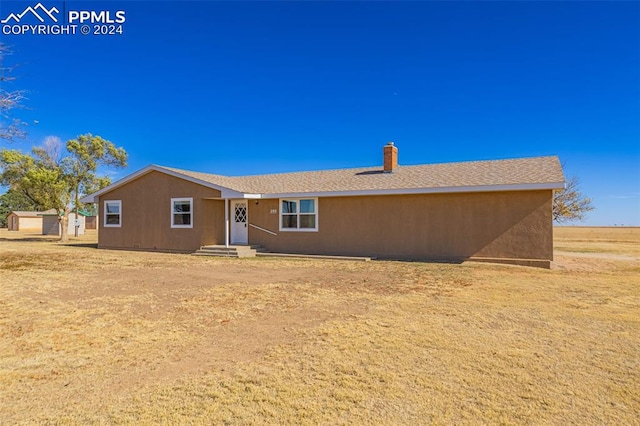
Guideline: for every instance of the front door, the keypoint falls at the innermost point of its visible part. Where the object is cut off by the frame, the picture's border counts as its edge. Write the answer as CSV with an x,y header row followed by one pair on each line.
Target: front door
x,y
239,220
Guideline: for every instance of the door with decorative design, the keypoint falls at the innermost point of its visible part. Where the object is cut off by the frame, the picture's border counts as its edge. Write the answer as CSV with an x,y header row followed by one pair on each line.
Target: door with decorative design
x,y
239,222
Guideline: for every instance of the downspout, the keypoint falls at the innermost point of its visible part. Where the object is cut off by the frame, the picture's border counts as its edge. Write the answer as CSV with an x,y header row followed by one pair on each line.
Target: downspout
x,y
226,222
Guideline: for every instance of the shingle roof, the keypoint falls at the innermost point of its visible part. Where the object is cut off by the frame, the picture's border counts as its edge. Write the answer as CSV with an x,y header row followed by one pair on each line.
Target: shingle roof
x,y
495,175
521,171
20,213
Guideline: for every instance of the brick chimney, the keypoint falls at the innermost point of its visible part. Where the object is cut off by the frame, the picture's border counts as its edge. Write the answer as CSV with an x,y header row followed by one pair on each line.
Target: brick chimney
x,y
390,157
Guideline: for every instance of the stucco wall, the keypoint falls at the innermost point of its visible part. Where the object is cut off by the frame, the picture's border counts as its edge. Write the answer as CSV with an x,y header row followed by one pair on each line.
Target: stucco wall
x,y
495,225
146,215
434,226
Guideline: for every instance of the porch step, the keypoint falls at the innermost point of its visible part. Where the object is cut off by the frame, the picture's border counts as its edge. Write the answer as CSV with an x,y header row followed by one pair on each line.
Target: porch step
x,y
231,251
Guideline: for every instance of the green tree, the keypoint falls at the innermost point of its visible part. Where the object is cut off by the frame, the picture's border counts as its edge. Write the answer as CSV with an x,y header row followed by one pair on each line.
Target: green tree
x,y
86,153
14,200
39,178
570,204
53,181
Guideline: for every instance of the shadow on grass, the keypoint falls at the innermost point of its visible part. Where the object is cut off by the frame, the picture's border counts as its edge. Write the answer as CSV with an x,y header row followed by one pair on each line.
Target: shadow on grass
x,y
52,239
82,245
30,240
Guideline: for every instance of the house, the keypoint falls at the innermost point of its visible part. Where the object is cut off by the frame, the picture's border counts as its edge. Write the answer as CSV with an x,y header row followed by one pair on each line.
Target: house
x,y
496,211
26,221
51,224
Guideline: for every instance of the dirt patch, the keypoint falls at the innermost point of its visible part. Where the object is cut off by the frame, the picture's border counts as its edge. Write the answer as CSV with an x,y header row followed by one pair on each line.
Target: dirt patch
x,y
94,336
607,256
593,262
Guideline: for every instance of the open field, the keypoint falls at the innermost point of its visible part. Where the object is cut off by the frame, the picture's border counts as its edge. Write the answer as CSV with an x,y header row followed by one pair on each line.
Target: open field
x,y
613,240
93,336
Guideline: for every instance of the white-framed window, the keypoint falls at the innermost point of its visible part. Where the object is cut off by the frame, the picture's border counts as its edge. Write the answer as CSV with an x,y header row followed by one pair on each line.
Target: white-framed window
x,y
182,212
112,213
299,214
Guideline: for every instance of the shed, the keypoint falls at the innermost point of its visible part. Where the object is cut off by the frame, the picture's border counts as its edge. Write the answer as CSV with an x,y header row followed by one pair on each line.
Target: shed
x,y
26,221
51,224
90,220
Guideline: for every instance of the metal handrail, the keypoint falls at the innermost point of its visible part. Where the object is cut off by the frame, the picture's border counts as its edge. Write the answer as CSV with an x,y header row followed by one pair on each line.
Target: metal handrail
x,y
262,229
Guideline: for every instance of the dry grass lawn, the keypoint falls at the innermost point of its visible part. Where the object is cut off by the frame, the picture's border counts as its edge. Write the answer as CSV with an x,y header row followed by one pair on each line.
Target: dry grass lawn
x,y
620,241
93,336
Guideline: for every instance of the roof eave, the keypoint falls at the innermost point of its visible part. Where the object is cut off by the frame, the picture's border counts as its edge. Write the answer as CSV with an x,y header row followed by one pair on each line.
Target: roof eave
x,y
433,190
225,192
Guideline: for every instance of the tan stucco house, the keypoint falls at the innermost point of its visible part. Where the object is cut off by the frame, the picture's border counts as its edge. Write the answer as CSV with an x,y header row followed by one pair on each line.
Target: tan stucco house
x,y
26,221
482,210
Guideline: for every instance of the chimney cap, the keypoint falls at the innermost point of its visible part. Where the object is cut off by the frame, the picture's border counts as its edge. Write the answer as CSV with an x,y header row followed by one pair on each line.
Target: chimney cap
x,y
390,143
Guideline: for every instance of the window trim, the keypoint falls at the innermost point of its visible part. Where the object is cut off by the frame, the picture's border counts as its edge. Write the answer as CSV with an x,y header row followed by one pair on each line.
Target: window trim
x,y
110,225
297,200
173,213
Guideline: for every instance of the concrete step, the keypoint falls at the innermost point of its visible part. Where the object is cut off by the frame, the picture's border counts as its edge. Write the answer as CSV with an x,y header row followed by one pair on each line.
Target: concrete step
x,y
231,251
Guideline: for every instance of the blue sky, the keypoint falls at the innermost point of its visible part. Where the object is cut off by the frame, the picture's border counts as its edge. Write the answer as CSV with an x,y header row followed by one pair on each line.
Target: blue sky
x,y
244,88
